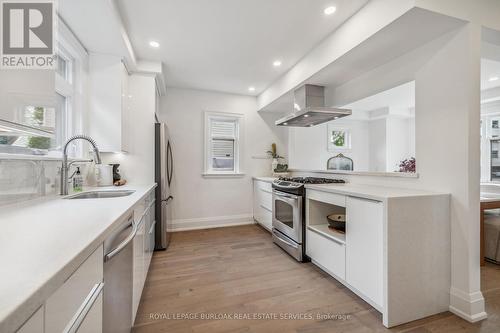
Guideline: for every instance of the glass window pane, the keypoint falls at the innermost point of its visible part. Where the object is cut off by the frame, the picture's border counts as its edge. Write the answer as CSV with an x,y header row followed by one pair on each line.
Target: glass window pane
x,y
62,67
284,213
40,129
223,154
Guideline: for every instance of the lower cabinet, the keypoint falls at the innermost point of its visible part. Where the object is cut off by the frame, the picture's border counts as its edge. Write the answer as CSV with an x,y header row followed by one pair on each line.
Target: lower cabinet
x,y
138,268
143,248
77,305
364,247
263,204
328,254
356,257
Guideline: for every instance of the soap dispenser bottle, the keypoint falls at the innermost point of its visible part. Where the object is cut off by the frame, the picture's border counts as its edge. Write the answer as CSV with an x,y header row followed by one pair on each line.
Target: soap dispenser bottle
x,y
77,181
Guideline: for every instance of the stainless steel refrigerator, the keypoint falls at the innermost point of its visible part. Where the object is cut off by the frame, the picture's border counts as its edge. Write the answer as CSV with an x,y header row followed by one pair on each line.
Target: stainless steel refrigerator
x,y
164,169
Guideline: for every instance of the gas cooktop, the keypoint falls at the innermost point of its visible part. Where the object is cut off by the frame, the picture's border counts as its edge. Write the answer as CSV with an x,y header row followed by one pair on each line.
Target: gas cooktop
x,y
311,180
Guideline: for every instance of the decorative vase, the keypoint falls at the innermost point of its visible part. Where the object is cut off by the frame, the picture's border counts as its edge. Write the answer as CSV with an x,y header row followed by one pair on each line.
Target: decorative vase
x,y
274,164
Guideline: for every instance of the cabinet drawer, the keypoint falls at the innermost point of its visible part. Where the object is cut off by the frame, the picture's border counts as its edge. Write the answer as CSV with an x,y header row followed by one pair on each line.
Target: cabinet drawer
x,y
264,186
266,218
332,198
65,303
327,253
266,200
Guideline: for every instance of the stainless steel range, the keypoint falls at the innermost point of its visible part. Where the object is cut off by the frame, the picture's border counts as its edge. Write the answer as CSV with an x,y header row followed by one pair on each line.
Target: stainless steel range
x,y
289,213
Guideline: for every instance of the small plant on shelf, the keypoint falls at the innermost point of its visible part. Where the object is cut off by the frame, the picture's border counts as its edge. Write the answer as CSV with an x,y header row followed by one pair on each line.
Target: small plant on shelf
x,y
272,153
408,165
276,166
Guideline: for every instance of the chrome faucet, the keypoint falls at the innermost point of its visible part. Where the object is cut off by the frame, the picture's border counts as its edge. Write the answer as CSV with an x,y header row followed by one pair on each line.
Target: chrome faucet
x,y
64,169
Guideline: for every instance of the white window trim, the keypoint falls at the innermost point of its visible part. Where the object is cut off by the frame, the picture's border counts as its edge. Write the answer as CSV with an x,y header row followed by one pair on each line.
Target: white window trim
x,y
238,147
74,89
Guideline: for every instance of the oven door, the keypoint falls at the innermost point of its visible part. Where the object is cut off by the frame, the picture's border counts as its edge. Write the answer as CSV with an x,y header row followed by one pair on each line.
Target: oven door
x,y
287,214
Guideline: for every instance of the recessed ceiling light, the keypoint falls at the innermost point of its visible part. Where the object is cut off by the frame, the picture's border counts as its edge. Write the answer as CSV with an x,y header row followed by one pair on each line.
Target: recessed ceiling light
x,y
306,115
285,124
277,63
330,10
154,44
251,88
493,78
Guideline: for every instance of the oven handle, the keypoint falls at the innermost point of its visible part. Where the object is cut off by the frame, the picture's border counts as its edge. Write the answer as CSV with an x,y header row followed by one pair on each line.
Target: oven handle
x,y
285,195
283,240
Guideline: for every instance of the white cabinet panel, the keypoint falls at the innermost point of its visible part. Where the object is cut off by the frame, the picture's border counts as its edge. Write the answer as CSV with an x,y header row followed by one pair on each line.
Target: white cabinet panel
x,y
262,203
364,247
109,109
34,324
327,253
65,303
93,319
138,268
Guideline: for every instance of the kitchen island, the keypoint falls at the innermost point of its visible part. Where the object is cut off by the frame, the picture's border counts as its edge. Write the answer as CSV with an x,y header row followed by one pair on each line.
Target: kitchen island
x,y
395,252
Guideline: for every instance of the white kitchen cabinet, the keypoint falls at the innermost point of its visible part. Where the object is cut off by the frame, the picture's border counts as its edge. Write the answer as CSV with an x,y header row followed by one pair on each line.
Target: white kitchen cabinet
x,y
395,247
149,238
92,323
79,300
328,254
109,99
263,203
34,324
364,247
144,215
138,268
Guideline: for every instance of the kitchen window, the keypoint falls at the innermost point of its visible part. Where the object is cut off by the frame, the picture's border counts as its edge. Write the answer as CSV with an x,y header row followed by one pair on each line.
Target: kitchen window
x,y
222,144
40,123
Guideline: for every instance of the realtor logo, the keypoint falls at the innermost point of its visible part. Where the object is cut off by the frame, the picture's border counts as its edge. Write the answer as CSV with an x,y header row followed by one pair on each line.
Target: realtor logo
x,y
27,34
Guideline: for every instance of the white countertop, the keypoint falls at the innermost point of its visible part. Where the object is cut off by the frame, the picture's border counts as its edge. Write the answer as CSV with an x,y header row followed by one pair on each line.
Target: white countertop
x,y
43,241
358,173
379,193
265,179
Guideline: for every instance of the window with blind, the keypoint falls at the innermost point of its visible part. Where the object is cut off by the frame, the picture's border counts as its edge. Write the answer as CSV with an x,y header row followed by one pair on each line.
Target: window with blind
x,y
222,143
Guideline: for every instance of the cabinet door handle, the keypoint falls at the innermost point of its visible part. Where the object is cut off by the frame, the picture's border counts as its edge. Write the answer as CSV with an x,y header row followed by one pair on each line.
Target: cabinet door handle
x,y
123,244
84,309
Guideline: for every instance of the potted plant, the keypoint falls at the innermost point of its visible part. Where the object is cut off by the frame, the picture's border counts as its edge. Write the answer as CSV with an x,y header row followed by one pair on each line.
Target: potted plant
x,y
274,155
408,165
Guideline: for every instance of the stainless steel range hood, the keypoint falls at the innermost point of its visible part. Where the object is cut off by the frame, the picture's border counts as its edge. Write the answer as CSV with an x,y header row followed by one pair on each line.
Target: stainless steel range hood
x,y
309,108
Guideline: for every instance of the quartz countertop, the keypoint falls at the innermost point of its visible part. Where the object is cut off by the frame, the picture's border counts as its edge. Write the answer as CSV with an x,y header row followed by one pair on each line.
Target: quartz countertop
x,y
378,193
265,179
43,241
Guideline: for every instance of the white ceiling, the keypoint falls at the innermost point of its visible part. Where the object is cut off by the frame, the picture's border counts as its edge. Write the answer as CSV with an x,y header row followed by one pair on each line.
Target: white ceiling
x,y
99,34
229,45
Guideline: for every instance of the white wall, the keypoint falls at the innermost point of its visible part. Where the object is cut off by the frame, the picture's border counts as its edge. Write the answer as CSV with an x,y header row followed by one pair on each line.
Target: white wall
x,y
137,166
308,147
398,142
204,202
378,145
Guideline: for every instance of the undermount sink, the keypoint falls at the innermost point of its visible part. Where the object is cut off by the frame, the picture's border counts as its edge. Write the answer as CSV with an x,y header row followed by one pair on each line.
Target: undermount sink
x,y
100,194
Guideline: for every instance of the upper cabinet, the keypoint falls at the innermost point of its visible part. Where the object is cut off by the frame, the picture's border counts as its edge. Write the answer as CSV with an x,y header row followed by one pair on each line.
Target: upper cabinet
x,y
109,107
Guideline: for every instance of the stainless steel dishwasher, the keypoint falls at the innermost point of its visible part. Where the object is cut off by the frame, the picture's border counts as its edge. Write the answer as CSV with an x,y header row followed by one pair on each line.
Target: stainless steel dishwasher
x,y
118,273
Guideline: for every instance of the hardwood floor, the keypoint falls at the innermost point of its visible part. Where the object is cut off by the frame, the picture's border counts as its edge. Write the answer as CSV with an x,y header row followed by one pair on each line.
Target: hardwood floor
x,y
238,270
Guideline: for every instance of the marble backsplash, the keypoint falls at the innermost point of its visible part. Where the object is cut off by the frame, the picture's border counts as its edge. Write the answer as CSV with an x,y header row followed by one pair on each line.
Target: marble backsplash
x,y
22,180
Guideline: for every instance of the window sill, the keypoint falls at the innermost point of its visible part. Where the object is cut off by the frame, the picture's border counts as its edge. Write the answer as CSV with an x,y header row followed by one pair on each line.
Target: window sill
x,y
223,175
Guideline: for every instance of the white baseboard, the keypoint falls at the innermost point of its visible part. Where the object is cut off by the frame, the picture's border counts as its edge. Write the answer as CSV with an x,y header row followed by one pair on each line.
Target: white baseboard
x,y
209,222
467,306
